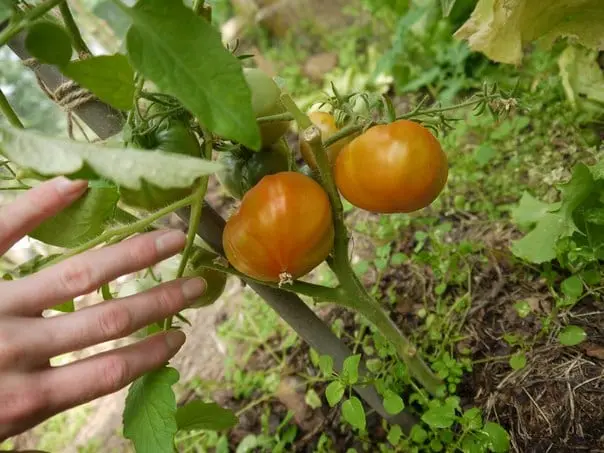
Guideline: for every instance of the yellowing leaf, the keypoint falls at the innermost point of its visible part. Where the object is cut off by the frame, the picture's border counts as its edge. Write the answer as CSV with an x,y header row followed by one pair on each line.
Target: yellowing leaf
x,y
582,78
501,28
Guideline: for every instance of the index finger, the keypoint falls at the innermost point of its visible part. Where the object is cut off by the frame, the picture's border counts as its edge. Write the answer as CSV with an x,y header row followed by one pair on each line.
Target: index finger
x,y
36,205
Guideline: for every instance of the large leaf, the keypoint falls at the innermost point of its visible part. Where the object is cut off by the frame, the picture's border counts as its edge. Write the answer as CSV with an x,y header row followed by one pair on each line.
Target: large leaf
x,y
110,77
200,415
582,78
6,9
125,167
150,412
83,220
501,28
114,16
184,56
49,43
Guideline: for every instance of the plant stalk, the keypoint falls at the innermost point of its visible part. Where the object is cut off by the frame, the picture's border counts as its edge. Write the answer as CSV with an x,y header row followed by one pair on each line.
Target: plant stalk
x,y
8,111
78,42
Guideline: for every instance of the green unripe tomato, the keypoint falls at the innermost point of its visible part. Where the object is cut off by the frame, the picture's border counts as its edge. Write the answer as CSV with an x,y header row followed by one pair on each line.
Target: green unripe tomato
x,y
266,101
215,281
244,169
171,137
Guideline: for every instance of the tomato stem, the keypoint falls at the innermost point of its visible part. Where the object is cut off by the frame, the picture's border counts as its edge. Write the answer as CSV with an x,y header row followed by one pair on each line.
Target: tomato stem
x,y
8,111
78,42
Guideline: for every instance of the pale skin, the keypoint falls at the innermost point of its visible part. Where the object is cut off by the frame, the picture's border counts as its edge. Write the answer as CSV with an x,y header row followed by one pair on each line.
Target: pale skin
x,y
31,390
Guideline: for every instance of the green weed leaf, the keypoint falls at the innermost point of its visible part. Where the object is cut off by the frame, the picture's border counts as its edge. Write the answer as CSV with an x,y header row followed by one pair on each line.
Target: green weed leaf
x,y
539,246
82,221
393,403
418,434
472,419
498,438
395,434
334,393
350,369
312,399
49,43
518,361
150,412
109,77
326,365
582,78
572,335
439,417
572,287
125,167
522,308
200,415
354,413
184,56
530,210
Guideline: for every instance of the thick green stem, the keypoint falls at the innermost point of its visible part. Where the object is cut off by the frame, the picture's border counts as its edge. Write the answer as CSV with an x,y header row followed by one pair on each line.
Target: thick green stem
x,y
8,111
125,231
35,13
78,42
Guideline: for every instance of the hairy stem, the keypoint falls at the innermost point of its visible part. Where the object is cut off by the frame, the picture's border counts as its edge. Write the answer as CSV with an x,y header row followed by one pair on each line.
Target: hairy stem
x,y
78,42
8,111
124,231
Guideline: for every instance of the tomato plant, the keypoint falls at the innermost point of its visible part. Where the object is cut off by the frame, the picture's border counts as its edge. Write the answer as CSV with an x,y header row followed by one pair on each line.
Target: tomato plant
x,y
243,169
396,167
215,280
266,101
327,125
171,136
283,228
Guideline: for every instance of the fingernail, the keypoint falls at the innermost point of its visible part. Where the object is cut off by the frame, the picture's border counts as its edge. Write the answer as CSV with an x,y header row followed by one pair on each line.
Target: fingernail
x,y
170,242
175,339
68,187
193,288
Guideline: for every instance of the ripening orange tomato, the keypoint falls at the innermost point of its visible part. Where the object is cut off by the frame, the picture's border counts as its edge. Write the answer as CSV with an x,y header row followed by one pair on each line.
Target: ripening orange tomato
x,y
396,167
282,229
327,125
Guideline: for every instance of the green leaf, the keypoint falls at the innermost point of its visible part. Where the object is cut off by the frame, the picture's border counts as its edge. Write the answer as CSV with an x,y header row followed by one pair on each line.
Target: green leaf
x,y
418,434
350,369
530,210
518,361
447,6
572,335
334,393
184,56
394,435
595,216
65,307
572,287
500,29
582,78
326,365
498,438
312,399
114,16
6,9
393,403
472,419
522,308
439,417
484,153
82,221
199,415
539,246
49,43
109,77
125,167
150,412
577,189
353,413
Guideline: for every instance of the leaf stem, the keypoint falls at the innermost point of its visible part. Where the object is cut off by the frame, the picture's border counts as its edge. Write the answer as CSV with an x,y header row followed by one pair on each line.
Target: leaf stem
x,y
125,231
8,111
78,42
24,21
275,118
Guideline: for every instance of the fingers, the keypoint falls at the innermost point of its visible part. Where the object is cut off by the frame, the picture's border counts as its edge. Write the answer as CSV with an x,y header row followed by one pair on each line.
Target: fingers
x,y
34,206
87,272
41,395
105,373
103,322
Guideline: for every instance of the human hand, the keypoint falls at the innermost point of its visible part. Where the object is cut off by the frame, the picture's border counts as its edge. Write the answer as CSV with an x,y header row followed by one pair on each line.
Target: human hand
x,y
31,390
